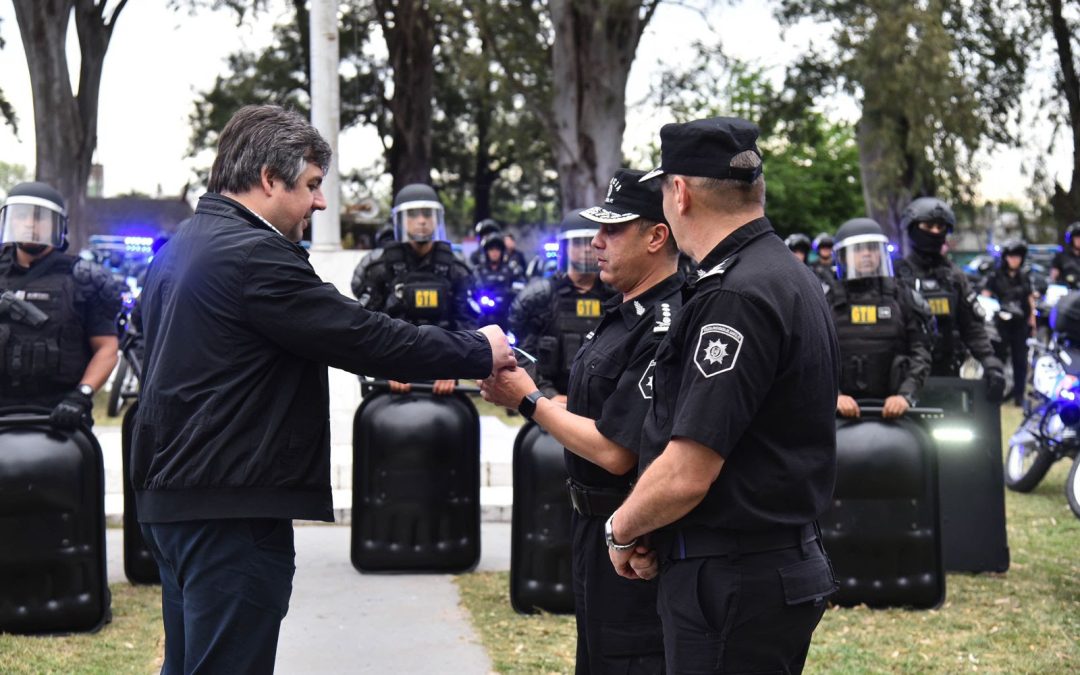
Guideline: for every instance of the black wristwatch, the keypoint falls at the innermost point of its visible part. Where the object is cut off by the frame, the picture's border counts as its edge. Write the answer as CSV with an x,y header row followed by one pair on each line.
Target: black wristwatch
x,y
528,404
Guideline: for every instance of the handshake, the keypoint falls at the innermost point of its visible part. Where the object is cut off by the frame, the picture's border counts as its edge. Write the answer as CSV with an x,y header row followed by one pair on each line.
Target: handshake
x,y
502,358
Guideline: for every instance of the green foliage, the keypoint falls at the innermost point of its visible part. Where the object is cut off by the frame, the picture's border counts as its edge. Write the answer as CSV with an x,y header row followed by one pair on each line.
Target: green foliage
x,y
7,111
11,175
811,163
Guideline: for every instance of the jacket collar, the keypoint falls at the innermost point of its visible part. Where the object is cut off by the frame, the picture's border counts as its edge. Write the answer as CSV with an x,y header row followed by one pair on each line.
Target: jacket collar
x,y
216,204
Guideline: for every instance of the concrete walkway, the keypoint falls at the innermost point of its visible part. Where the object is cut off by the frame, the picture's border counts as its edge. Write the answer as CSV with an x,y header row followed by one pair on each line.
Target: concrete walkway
x,y
342,621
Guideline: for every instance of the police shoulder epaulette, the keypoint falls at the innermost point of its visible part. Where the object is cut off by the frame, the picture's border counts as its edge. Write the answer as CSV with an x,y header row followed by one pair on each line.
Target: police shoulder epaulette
x,y
721,269
663,318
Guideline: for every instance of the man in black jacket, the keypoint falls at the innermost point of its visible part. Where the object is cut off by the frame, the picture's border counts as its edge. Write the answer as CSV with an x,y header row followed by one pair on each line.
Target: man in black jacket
x,y
232,440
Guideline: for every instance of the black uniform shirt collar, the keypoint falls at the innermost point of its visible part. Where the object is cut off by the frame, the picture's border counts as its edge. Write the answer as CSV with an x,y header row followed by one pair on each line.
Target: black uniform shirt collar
x,y
646,301
735,241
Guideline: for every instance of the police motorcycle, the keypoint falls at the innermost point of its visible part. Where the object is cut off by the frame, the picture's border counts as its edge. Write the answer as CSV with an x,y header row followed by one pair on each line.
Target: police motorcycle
x,y
124,385
1048,431
52,481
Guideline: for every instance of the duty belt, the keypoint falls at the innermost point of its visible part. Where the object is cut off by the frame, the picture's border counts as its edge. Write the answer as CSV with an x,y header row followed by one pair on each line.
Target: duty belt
x,y
590,501
707,542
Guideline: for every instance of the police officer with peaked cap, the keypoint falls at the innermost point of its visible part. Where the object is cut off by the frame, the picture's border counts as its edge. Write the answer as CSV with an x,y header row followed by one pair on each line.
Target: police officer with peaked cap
x,y
611,385
58,341
882,326
739,449
418,278
958,315
551,317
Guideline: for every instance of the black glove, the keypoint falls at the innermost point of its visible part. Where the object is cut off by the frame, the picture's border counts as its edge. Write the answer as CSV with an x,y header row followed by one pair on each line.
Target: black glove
x,y
70,413
994,376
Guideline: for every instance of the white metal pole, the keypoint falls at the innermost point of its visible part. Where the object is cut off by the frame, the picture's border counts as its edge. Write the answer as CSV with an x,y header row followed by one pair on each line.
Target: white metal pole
x,y
326,117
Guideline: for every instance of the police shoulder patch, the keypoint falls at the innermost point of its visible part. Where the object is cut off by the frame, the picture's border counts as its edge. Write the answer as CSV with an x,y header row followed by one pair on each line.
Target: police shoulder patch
x,y
645,384
717,349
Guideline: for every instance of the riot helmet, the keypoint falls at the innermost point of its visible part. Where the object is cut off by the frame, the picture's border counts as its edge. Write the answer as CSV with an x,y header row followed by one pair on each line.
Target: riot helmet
x,y
1013,247
575,244
1070,233
33,217
384,235
862,251
493,242
485,227
798,243
826,241
934,212
418,215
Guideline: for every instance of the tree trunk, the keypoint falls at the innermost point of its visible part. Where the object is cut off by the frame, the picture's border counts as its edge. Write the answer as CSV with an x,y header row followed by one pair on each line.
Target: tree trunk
x,y
885,198
593,51
1066,204
65,124
410,41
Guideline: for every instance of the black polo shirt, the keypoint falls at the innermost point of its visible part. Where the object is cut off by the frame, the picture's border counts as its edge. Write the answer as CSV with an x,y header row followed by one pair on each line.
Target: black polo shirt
x,y
611,377
750,370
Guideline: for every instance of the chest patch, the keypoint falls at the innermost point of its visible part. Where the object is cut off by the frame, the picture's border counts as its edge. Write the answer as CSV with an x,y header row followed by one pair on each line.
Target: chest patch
x,y
427,298
939,306
717,349
588,308
864,314
645,384
34,296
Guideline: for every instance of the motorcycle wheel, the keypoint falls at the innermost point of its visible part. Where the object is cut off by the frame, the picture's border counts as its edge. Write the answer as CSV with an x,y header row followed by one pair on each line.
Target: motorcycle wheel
x,y
1072,487
116,401
1025,466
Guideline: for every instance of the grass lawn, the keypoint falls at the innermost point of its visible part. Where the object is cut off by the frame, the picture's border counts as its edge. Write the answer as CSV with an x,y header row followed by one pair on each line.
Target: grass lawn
x,y
131,643
1024,621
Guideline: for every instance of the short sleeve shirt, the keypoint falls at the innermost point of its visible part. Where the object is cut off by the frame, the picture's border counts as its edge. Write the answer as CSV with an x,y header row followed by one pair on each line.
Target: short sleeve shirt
x,y
750,370
611,377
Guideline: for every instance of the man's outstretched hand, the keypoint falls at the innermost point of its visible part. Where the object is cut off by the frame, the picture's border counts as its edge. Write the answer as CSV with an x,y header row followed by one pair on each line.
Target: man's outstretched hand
x,y
502,355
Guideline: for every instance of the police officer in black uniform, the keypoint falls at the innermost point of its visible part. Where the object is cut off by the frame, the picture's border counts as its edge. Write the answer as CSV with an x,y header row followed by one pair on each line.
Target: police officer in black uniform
x,y
1016,320
882,326
1065,268
610,389
959,318
484,229
798,244
58,341
495,281
823,263
740,441
418,278
551,317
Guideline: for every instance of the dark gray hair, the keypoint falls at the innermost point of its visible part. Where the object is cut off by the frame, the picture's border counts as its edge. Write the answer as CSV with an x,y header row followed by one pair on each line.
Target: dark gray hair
x,y
268,136
728,194
671,248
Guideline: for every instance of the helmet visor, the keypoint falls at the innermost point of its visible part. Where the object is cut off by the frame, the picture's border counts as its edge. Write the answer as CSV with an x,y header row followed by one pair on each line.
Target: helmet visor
x,y
419,222
863,257
31,224
577,253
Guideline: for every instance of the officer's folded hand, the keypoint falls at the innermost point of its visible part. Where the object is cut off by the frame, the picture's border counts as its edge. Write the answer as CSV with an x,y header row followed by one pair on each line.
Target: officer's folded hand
x,y
502,356
507,387
846,406
70,412
644,563
895,406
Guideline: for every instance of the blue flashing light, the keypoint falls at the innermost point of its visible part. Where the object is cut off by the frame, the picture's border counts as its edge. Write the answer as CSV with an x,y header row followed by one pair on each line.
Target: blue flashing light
x,y
551,246
892,248
138,244
486,301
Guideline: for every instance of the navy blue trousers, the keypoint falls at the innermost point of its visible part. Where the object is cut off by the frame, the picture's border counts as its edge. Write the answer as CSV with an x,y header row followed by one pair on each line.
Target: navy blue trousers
x,y
225,587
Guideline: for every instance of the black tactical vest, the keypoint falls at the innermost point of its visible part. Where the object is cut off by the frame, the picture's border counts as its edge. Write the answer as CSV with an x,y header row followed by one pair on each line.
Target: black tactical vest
x,y
573,316
871,333
43,363
941,292
420,295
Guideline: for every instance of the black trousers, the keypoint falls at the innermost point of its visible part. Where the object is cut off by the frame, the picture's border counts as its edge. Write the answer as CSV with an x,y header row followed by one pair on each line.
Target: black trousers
x,y
617,623
225,587
1014,335
743,613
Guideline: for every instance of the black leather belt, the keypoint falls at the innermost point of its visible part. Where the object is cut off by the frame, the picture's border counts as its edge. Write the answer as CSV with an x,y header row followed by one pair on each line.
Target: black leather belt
x,y
590,501
706,542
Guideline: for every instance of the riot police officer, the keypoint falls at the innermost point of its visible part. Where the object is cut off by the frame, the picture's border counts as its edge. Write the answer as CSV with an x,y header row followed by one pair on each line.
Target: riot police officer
x,y
551,317
1065,268
58,341
483,229
823,263
514,258
959,318
799,244
418,278
610,390
882,326
1016,320
495,281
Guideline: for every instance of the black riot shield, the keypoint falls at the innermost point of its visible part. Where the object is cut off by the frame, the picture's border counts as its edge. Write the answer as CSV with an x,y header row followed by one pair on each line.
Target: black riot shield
x,y
139,564
540,564
416,483
52,527
882,532
970,475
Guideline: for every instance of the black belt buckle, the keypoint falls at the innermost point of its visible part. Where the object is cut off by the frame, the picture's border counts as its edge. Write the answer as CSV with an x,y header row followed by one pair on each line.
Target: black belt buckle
x,y
578,497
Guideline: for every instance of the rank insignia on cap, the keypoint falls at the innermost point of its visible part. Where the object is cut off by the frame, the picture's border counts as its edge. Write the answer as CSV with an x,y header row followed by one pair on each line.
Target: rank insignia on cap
x,y
717,349
613,187
645,384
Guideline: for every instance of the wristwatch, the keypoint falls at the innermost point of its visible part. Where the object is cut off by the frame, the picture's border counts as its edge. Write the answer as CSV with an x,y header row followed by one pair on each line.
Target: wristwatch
x,y
609,537
528,404
86,390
